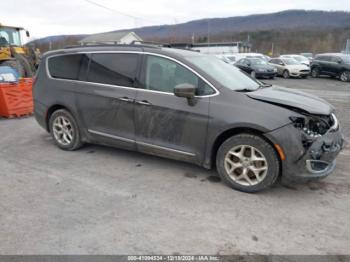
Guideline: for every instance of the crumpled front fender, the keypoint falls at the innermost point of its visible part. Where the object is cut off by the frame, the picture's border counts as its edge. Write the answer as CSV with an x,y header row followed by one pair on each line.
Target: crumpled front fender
x,y
307,159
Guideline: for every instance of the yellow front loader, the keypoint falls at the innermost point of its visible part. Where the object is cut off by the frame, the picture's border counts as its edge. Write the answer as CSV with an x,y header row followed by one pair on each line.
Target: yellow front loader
x,y
14,54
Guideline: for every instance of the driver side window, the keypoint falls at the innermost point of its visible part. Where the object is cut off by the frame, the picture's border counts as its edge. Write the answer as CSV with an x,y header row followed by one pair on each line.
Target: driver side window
x,y
163,75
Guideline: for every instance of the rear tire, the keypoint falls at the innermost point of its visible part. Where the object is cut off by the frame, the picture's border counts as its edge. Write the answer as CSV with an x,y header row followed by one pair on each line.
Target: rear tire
x,y
28,71
248,163
345,76
64,130
253,74
315,72
286,74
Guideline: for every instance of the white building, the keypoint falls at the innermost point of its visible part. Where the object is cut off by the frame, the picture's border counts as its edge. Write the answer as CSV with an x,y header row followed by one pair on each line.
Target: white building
x,y
122,37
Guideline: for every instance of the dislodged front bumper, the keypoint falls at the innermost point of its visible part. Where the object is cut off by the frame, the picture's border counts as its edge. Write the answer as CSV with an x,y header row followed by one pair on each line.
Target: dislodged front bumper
x,y
307,162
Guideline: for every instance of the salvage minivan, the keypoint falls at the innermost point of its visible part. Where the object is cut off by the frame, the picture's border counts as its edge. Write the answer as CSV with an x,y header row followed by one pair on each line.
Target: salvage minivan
x,y
186,106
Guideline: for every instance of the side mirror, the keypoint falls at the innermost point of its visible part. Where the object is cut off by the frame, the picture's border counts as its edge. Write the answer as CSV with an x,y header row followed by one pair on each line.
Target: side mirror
x,y
249,64
339,61
27,34
187,91
282,64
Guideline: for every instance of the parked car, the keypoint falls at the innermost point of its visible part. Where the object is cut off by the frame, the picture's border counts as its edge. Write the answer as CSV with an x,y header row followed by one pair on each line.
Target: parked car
x,y
301,59
288,67
185,106
238,56
257,68
334,65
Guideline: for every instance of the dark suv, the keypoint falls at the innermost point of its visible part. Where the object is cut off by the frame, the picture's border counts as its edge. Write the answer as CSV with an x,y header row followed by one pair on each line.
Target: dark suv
x,y
334,65
185,106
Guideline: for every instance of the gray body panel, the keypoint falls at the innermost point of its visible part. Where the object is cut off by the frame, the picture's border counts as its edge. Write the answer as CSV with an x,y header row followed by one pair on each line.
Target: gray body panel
x,y
166,125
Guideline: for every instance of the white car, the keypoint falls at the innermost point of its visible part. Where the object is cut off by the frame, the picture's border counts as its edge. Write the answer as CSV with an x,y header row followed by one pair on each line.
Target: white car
x,y
288,67
302,59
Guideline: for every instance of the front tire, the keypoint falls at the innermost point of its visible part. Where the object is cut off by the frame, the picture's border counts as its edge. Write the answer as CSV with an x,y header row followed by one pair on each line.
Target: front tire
x,y
64,130
315,72
247,163
345,76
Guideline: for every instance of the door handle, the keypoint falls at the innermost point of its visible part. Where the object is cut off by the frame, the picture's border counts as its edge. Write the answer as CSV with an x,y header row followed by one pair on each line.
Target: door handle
x,y
143,102
126,99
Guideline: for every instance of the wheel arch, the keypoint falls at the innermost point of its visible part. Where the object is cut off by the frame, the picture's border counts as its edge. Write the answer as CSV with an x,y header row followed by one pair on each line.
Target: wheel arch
x,y
222,137
53,109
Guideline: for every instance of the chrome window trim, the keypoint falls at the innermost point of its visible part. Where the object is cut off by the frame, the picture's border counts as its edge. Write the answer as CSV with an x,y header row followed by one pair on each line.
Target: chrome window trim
x,y
140,143
134,88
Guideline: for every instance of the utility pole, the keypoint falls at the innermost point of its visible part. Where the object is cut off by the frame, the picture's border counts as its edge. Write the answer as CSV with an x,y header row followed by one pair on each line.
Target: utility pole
x,y
272,48
347,47
208,36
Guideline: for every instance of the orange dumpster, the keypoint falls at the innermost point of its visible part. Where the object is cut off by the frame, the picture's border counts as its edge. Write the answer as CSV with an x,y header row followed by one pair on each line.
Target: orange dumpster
x,y
16,98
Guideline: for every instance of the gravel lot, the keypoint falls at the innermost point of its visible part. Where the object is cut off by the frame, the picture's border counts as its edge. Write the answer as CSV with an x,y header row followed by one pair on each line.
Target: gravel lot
x,y
100,200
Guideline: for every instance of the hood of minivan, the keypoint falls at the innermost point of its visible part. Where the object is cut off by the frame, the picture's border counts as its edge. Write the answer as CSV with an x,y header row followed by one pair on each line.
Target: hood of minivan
x,y
292,98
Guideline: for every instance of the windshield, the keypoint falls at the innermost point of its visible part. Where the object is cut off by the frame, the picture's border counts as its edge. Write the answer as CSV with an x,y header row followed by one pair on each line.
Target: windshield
x,y
290,61
9,36
257,61
227,75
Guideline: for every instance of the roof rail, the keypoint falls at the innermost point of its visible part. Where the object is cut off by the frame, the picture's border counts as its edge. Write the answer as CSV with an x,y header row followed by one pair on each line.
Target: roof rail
x,y
137,43
150,43
112,45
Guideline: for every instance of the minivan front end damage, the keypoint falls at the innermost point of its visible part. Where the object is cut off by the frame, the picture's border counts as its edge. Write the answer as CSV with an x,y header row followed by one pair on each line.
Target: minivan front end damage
x,y
311,144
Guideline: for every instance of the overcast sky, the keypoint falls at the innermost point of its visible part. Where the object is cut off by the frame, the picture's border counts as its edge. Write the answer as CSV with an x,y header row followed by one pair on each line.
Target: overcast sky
x,y
52,17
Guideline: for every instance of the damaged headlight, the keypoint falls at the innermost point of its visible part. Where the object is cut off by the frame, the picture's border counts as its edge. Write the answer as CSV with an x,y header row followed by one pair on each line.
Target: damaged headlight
x,y
315,126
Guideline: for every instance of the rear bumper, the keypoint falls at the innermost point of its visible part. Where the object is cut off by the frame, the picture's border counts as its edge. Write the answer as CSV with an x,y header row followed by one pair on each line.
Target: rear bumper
x,y
306,163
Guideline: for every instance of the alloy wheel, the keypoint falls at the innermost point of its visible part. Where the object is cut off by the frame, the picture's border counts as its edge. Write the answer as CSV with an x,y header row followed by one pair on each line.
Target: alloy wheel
x,y
344,76
246,165
63,130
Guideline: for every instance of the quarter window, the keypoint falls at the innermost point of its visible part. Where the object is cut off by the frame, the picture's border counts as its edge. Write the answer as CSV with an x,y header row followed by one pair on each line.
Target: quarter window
x,y
72,67
163,75
113,69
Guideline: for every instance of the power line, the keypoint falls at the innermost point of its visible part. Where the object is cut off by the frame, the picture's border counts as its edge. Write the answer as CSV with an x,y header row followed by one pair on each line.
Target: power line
x,y
118,12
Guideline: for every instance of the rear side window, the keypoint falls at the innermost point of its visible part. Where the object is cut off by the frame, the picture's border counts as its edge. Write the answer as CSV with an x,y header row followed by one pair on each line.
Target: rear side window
x,y
113,69
72,67
323,58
